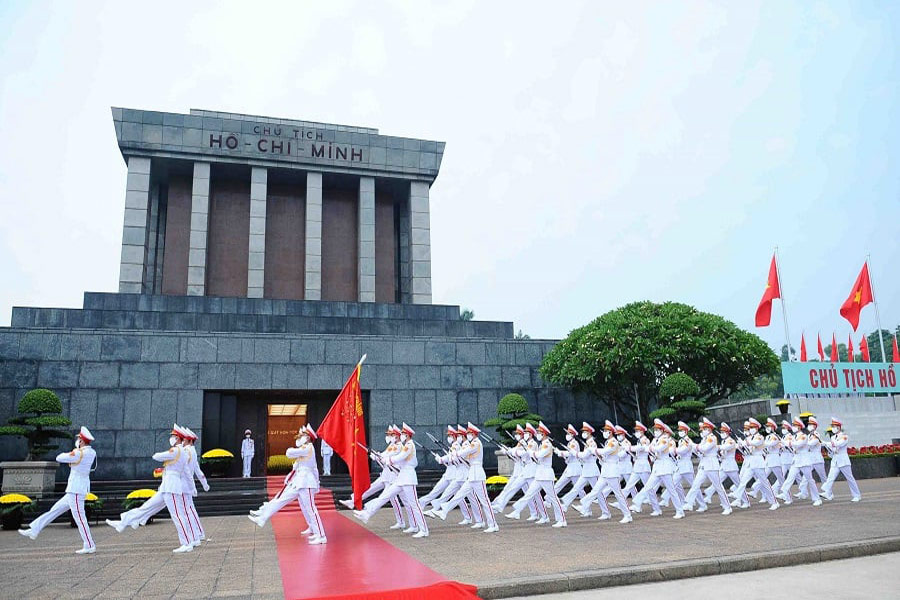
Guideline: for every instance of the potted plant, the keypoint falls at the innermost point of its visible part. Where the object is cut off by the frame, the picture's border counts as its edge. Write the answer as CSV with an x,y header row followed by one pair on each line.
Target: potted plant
x,y
216,462
279,464
783,406
495,485
39,421
512,410
136,499
12,510
92,507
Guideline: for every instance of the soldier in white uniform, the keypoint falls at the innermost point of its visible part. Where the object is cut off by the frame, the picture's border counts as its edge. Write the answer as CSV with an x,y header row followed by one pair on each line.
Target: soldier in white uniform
x,y
609,480
641,468
248,450
590,470
449,464
707,469
755,465
840,462
684,464
625,466
663,450
543,480
80,461
786,454
772,453
517,480
570,455
327,453
727,449
404,485
459,467
801,465
384,480
303,487
814,447
193,470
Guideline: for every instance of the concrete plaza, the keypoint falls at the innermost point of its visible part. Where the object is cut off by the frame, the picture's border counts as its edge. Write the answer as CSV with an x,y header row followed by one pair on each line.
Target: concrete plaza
x,y
241,561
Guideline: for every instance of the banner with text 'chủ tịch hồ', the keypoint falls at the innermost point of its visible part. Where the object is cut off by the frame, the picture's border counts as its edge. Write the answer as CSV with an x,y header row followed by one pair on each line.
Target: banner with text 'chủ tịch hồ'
x,y
839,378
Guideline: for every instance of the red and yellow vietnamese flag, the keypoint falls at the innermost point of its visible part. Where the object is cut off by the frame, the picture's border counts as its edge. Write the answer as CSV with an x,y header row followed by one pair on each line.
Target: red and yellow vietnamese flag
x,y
849,347
834,349
864,349
772,291
821,350
860,295
802,348
344,430
896,355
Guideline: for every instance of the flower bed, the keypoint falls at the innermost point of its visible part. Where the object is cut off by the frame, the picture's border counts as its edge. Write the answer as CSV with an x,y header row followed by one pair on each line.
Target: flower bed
x,y
872,451
216,461
13,508
279,464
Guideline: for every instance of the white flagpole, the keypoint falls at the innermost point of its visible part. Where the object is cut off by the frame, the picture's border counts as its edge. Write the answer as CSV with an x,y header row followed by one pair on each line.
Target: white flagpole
x,y
877,315
787,334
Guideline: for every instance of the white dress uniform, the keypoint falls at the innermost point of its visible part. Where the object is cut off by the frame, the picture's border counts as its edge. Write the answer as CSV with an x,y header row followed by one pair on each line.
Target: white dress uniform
x,y
543,481
609,481
816,459
248,451
684,464
517,480
625,465
727,449
301,487
801,465
840,463
459,471
590,470
708,469
573,466
327,453
755,467
404,485
191,471
663,450
640,471
384,479
472,451
172,490
80,461
449,470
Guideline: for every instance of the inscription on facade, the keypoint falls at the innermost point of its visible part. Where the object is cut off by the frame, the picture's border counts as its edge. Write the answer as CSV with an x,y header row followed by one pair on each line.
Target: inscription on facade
x,y
287,142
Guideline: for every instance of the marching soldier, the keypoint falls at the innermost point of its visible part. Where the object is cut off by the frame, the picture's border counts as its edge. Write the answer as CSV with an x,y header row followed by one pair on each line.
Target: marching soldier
x,y
570,455
801,465
543,480
302,487
468,505
193,470
404,485
814,447
663,450
248,450
610,474
590,471
80,461
384,480
727,449
840,462
755,465
773,457
707,469
625,466
641,469
522,467
684,474
450,467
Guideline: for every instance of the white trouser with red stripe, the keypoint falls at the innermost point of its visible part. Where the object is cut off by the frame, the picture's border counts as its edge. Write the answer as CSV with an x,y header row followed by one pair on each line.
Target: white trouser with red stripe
x,y
648,494
193,517
481,507
305,497
599,492
578,489
532,493
470,514
408,494
714,476
74,503
847,472
177,507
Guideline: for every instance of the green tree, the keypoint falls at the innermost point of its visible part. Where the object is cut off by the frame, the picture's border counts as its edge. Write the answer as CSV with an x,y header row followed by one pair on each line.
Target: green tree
x,y
624,354
784,353
467,314
39,419
764,386
512,410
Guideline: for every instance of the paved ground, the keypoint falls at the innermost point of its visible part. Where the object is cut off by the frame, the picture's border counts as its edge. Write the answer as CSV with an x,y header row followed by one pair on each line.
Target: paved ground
x,y
850,579
239,562
589,545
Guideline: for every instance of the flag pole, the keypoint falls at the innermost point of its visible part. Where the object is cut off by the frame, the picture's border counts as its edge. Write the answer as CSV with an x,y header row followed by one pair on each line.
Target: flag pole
x,y
362,360
877,315
787,333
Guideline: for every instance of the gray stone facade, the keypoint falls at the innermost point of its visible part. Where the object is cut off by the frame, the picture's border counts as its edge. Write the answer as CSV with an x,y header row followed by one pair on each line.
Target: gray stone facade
x,y
128,381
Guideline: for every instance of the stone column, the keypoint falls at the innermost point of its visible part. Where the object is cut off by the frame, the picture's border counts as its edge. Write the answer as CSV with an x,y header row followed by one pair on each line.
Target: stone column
x,y
313,276
199,230
366,254
419,243
134,234
257,260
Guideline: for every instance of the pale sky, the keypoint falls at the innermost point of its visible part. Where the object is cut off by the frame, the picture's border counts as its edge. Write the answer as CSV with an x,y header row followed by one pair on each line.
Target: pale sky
x,y
597,153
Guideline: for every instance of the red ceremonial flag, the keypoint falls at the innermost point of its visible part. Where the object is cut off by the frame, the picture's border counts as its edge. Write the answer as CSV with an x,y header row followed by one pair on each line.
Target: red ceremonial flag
x,y
834,352
802,348
864,349
344,430
772,291
849,348
860,295
821,351
896,356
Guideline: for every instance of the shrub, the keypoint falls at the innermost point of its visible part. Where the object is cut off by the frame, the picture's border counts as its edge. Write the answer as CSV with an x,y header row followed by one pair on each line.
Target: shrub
x,y
279,464
512,410
678,386
39,421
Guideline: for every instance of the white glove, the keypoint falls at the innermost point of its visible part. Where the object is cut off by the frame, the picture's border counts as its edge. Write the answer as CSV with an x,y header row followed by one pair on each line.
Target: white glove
x,y
205,486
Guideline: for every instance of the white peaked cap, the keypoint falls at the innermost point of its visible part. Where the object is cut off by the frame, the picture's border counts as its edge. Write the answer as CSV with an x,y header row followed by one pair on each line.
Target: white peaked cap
x,y
407,429
471,428
246,431
85,434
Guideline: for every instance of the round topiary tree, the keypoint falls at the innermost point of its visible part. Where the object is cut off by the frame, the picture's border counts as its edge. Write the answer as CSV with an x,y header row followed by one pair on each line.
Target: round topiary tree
x,y
512,410
39,419
677,394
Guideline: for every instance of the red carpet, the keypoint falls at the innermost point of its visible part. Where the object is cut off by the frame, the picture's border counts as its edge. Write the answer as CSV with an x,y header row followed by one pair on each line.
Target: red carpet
x,y
355,563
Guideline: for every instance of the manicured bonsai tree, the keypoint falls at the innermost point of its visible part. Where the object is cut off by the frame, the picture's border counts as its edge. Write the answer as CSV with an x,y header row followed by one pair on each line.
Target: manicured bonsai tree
x,y
512,410
39,421
677,394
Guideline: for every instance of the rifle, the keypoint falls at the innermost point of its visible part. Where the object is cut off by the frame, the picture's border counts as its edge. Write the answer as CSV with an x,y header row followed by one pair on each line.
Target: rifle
x,y
444,447
377,458
506,449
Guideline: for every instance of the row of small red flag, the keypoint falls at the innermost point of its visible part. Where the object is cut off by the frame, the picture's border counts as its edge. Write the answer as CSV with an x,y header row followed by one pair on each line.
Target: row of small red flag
x,y
863,349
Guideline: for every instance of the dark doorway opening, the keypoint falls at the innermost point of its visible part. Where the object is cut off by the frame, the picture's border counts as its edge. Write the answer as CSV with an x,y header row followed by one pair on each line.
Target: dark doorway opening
x,y
273,417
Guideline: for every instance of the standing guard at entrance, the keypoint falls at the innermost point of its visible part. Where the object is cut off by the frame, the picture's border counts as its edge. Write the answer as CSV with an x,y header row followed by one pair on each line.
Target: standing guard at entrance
x,y
248,450
327,452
